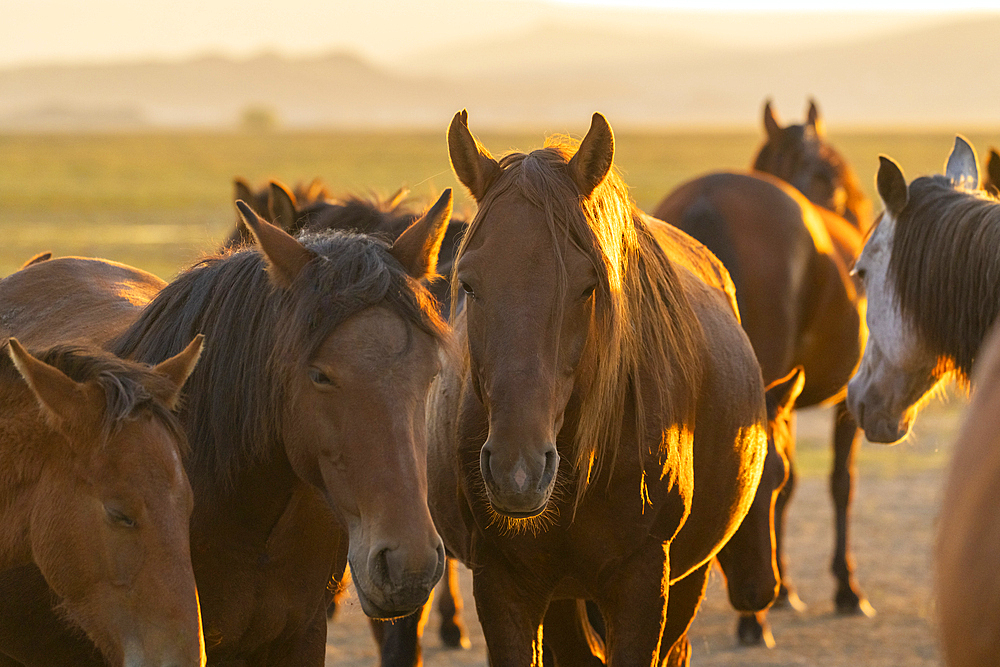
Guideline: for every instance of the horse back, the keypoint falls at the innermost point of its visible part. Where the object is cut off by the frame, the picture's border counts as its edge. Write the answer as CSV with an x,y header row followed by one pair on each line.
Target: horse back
x,y
73,300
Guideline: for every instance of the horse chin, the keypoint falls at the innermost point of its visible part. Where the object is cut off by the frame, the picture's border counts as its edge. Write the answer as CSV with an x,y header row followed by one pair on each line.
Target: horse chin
x,y
515,510
399,606
886,431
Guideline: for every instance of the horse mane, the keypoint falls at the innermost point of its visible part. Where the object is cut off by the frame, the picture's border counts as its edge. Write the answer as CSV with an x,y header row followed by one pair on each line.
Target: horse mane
x,y
647,352
129,387
945,244
256,333
369,215
786,159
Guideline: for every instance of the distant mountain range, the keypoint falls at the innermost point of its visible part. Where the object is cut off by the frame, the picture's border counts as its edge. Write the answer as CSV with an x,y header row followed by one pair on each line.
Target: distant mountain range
x,y
552,79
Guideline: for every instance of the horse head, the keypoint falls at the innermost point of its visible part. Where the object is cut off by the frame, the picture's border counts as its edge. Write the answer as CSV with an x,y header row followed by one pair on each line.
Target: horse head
x,y
109,520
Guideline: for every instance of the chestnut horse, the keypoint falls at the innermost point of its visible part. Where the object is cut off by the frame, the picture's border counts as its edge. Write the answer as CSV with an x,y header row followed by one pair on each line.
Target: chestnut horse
x,y
309,398
930,268
968,540
603,434
94,494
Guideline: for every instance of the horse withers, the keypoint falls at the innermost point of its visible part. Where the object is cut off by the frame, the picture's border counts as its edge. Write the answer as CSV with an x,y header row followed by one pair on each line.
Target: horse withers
x,y
604,433
95,495
929,268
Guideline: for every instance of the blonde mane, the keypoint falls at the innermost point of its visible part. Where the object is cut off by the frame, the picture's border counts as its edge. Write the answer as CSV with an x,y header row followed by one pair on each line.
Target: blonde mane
x,y
647,352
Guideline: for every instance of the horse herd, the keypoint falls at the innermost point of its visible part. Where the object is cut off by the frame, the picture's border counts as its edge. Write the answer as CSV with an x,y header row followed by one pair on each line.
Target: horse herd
x,y
596,406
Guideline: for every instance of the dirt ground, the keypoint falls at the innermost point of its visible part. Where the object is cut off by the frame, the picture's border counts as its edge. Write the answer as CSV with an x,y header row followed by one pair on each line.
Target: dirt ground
x,y
895,506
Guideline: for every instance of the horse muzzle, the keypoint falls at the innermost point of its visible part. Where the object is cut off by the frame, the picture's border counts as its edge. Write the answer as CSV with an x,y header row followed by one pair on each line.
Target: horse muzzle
x,y
519,486
393,582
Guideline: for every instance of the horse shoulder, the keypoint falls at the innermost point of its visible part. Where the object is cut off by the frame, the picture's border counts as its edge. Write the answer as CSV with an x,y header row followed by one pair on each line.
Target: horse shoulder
x,y
73,299
968,540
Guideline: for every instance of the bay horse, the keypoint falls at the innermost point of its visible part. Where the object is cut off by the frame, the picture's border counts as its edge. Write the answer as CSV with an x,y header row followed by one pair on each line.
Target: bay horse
x,y
603,434
968,543
93,493
930,269
306,423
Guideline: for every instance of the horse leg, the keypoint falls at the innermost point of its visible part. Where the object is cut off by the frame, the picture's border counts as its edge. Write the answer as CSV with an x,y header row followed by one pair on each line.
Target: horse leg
x,y
511,613
685,596
453,632
569,635
787,597
752,629
849,597
633,602
399,640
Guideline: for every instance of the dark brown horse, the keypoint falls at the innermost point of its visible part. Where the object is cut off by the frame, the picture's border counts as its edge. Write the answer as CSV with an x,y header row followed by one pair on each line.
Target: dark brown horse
x,y
276,203
603,434
310,398
968,540
801,156
930,269
789,260
992,181
94,494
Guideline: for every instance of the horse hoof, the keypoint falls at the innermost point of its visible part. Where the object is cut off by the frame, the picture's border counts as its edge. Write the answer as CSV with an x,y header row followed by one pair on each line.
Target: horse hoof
x,y
454,636
789,599
857,607
751,631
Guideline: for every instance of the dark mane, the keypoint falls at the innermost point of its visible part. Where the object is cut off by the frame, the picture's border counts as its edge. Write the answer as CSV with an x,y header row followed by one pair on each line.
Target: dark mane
x,y
255,333
946,253
129,387
800,149
368,215
647,331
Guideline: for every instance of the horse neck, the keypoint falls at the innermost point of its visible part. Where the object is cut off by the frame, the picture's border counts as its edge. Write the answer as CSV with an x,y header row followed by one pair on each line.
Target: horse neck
x,y
246,510
26,437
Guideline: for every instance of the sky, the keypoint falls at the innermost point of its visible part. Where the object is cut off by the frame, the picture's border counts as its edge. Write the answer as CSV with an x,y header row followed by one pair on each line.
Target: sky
x,y
388,31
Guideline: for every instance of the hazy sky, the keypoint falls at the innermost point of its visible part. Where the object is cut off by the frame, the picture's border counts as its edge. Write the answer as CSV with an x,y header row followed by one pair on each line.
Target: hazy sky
x,y
47,31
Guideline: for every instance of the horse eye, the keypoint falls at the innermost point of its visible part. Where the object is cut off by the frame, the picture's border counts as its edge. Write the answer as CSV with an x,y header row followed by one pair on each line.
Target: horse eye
x,y
118,517
471,293
319,377
587,293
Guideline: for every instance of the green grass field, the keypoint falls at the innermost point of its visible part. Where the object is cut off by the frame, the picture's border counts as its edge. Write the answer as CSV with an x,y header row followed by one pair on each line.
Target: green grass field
x,y
160,200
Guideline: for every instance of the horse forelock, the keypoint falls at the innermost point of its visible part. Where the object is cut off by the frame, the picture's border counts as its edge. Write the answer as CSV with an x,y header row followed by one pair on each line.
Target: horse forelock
x,y
130,389
256,334
945,267
647,328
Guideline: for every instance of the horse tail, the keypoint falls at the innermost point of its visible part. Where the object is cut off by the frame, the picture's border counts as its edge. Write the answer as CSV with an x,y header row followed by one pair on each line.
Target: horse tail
x,y
705,223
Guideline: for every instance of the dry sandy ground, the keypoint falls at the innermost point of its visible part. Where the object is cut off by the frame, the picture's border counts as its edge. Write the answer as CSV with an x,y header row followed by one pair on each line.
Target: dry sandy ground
x,y
895,506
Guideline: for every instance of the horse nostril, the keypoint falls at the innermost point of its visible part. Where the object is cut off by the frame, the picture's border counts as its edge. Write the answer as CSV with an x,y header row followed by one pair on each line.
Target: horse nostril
x,y
484,466
551,468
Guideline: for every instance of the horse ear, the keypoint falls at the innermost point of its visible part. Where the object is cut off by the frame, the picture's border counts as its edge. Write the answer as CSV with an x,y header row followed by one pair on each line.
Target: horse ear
x,y
813,119
781,395
37,259
993,168
771,125
417,248
241,190
285,256
962,168
397,198
891,185
592,161
282,206
316,190
178,367
64,401
472,163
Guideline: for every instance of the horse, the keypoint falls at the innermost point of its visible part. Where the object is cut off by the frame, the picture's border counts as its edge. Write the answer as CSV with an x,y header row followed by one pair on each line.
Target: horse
x,y
306,423
967,545
94,495
603,433
264,202
801,156
930,268
790,262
